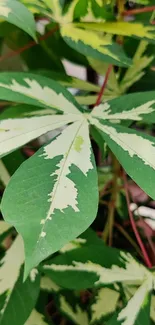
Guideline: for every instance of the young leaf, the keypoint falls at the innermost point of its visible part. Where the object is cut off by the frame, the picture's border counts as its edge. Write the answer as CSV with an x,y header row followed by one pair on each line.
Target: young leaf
x,y
16,13
135,107
134,150
91,44
36,319
12,287
122,28
56,180
35,90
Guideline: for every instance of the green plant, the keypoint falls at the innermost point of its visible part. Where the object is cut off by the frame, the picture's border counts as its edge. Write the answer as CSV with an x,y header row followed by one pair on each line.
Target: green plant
x,y
64,273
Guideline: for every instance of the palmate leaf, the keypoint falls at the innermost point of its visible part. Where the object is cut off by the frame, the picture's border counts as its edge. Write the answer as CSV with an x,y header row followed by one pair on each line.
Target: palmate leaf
x,y
91,44
16,13
58,175
14,294
122,28
134,150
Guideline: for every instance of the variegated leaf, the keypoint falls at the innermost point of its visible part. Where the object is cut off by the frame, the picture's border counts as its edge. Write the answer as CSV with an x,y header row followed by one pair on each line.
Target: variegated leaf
x,y
16,13
76,315
105,304
12,287
35,90
137,310
36,319
122,28
135,151
4,175
57,177
91,44
131,271
136,107
18,131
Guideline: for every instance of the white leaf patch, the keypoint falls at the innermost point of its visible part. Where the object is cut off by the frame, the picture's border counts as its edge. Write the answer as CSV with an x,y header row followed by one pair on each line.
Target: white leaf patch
x,y
16,132
105,304
132,143
7,279
35,319
129,314
45,95
104,112
4,9
79,316
73,144
133,271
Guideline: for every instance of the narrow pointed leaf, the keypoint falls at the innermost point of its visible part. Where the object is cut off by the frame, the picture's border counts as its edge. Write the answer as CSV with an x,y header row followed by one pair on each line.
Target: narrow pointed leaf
x,y
91,44
14,294
136,107
76,315
35,90
135,151
92,270
56,180
18,131
16,13
137,310
123,28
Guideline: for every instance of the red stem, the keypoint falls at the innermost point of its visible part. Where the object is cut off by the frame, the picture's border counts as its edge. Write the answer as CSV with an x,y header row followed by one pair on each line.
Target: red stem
x,y
138,11
104,85
133,224
29,45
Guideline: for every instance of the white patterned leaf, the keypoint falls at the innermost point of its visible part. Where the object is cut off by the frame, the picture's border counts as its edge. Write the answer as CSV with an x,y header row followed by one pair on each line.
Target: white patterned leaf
x,y
136,107
57,202
105,304
132,271
135,151
137,310
36,319
77,315
37,90
16,13
16,132
14,294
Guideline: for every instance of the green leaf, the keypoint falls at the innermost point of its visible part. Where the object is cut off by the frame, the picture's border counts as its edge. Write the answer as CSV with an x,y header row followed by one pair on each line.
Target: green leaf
x,y
61,172
135,107
134,150
91,44
38,91
122,28
13,291
36,319
16,13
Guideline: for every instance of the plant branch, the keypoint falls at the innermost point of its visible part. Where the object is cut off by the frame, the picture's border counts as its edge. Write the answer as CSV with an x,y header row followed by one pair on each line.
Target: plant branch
x,y
28,45
133,224
104,85
138,11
